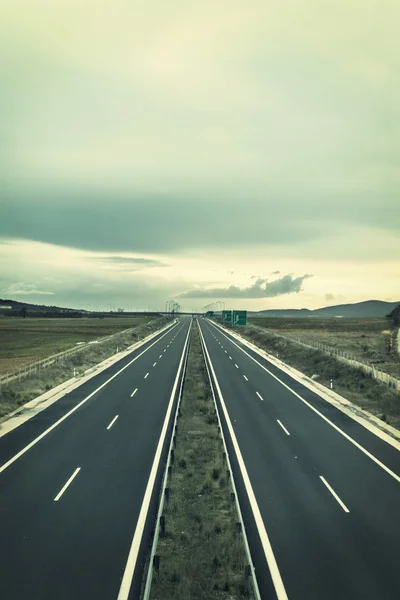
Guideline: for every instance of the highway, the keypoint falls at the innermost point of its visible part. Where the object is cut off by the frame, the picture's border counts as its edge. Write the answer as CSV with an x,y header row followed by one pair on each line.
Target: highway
x,y
320,494
79,482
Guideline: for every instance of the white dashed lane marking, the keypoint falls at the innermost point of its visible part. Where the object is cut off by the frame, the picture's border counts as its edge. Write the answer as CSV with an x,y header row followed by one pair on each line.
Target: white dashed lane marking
x,y
334,494
283,427
60,493
112,422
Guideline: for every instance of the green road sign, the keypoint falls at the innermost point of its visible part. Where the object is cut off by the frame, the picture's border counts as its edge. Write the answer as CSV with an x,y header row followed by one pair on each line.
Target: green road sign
x,y
227,316
210,313
239,318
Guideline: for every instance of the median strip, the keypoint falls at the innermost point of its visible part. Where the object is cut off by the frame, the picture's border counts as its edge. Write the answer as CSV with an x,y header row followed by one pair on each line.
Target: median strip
x,y
200,551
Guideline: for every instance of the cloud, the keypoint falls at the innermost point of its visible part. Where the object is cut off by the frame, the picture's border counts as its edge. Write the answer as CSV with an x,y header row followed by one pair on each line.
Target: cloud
x,y
262,288
25,289
145,222
201,130
128,260
329,297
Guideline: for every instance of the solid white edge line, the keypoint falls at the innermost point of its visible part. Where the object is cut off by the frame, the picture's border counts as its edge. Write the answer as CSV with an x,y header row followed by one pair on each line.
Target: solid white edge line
x,y
259,395
60,493
345,435
112,422
266,544
283,427
134,392
245,377
334,494
146,376
69,413
137,537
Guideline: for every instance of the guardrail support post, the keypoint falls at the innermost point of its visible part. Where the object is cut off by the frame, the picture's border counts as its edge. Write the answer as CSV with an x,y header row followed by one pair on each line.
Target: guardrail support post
x,y
156,562
162,526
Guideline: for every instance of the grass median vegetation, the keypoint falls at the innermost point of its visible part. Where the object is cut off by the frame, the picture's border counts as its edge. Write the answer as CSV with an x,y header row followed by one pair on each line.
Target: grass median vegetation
x,y
201,556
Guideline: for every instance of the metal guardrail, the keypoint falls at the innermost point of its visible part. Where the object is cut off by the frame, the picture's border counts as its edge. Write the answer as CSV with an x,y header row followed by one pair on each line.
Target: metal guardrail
x,y
251,568
341,355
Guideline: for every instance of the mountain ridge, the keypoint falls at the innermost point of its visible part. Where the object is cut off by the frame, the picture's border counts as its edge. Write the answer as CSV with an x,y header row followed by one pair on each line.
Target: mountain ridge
x,y
365,309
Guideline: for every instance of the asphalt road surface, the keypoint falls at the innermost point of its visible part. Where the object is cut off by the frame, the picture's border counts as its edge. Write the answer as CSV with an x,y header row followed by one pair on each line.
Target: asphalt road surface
x,y
320,494
80,500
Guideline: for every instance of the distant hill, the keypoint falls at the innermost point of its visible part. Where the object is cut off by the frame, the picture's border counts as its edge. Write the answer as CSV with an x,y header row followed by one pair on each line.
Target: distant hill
x,y
368,309
14,307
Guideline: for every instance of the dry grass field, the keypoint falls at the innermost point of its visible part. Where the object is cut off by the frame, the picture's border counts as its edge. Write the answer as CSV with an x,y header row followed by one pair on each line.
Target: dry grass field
x,y
365,339
23,341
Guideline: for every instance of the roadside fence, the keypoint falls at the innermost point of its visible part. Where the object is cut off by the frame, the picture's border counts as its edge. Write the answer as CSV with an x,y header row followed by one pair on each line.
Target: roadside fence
x,y
345,357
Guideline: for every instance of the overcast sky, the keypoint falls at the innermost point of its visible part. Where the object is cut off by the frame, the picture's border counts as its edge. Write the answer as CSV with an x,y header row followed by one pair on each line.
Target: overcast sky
x,y
217,150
